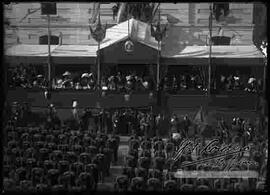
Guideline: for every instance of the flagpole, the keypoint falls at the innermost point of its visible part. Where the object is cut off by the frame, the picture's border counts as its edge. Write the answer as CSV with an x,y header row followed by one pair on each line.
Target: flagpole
x,y
49,52
158,55
98,66
210,51
158,64
264,76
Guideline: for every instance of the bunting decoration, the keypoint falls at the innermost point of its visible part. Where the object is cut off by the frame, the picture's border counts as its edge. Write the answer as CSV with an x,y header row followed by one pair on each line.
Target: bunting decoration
x,y
96,10
200,119
99,32
157,32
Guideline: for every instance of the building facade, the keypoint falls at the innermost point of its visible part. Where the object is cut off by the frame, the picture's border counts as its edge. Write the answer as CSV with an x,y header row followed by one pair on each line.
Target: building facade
x,y
71,24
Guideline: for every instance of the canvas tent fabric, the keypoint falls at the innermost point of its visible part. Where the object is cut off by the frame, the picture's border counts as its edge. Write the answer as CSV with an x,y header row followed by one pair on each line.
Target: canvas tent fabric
x,y
218,51
221,54
75,51
56,50
61,54
190,55
75,54
136,30
173,52
22,53
29,50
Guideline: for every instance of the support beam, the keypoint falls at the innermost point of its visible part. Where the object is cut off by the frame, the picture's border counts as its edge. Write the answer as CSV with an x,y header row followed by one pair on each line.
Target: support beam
x,y
49,53
210,51
158,65
98,66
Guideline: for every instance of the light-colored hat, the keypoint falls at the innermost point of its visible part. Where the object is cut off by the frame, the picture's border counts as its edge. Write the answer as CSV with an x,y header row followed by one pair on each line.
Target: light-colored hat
x,y
85,75
75,104
236,78
145,84
104,88
67,73
59,81
110,78
251,80
129,77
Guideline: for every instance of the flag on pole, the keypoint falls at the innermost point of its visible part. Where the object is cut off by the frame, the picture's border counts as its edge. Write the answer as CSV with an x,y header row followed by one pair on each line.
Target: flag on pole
x,y
121,12
96,10
200,119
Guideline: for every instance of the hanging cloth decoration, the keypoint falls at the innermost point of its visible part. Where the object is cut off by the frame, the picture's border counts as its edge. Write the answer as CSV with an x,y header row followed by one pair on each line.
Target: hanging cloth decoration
x,y
129,46
98,33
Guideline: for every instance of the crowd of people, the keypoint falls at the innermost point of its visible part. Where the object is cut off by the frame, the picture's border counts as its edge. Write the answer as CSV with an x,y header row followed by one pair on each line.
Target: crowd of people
x,y
26,77
38,159
30,77
175,84
150,164
56,157
237,82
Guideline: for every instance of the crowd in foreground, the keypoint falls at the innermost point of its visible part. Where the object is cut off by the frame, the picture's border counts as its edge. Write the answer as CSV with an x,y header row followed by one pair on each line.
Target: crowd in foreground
x,y
57,158
150,163
29,77
37,159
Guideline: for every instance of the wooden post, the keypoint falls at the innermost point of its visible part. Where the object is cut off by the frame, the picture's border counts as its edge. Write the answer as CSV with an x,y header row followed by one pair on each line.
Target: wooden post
x,y
210,51
158,65
98,66
49,53
264,77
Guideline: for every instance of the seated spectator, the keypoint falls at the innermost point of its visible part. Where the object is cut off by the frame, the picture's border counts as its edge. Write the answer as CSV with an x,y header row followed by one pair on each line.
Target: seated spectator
x,y
121,183
230,82
84,81
67,81
111,83
154,184
91,81
166,85
223,82
251,86
183,82
237,81
174,84
137,184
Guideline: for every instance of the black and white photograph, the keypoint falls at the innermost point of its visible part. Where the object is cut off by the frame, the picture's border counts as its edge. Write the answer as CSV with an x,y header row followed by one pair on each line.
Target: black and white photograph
x,y
134,97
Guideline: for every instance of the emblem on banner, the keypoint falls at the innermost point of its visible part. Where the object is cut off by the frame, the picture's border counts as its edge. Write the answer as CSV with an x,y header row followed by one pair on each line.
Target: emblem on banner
x,y
129,46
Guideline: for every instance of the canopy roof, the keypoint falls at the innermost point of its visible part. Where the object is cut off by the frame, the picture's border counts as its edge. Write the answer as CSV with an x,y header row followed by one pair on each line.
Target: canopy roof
x,y
136,30
29,50
246,55
74,51
56,50
173,53
218,51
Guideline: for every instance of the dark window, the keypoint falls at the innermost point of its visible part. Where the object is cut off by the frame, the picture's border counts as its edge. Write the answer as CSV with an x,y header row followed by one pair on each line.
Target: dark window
x,y
220,9
48,9
43,40
221,40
